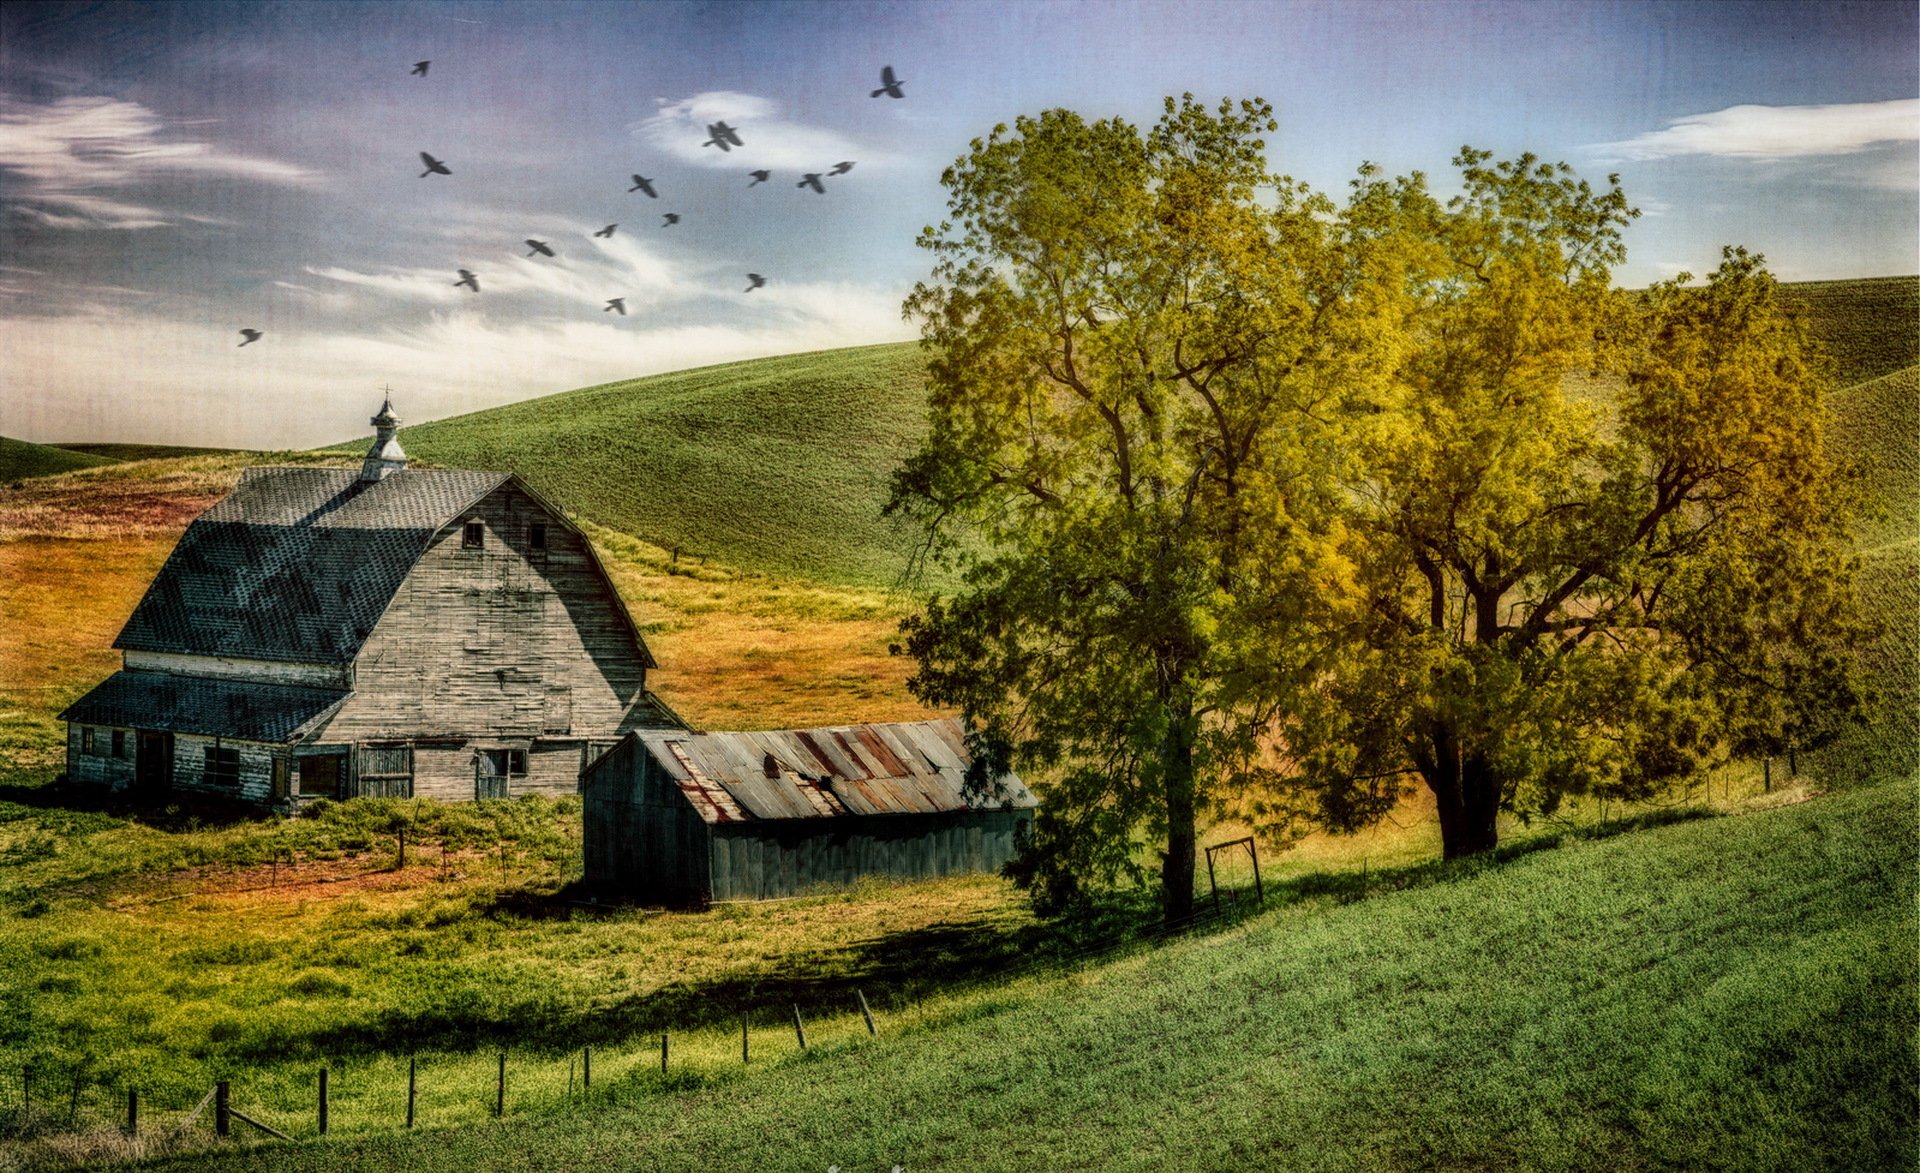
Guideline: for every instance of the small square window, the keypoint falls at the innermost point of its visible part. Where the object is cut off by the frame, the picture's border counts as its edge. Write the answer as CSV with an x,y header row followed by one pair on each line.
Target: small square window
x,y
223,766
474,535
119,743
86,739
537,535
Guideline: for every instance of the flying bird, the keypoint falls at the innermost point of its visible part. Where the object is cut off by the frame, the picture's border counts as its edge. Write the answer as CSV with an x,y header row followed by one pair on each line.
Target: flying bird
x,y
607,231
420,68
250,334
469,280
759,177
757,280
642,183
672,218
434,166
723,136
812,180
841,168
540,247
617,303
889,84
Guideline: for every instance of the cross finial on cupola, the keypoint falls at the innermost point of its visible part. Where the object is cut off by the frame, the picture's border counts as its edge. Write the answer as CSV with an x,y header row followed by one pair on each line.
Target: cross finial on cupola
x,y
385,457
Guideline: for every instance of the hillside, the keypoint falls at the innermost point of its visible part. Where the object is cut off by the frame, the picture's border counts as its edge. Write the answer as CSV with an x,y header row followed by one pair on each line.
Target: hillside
x,y
140,451
21,459
777,464
1730,993
1869,327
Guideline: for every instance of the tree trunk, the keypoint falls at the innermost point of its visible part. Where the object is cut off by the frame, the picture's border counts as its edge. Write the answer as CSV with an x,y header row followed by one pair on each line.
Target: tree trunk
x,y
1466,796
1176,864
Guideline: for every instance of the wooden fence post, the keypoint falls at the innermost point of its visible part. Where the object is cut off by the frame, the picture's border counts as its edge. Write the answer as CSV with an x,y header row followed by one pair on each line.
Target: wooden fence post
x,y
401,862
133,1111
73,1104
222,1114
864,1012
799,1030
500,1092
410,1074
743,1036
663,1052
323,1101
586,1070
1259,892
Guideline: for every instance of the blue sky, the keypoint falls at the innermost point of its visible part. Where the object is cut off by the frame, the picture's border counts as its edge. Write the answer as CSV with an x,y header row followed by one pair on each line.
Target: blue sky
x,y
172,173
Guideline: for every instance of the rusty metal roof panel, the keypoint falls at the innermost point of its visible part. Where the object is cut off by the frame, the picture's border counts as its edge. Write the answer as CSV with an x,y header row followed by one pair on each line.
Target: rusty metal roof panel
x,y
915,767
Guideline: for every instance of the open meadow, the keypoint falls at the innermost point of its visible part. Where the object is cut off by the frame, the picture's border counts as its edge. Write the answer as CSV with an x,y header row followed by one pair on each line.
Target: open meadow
x,y
1723,979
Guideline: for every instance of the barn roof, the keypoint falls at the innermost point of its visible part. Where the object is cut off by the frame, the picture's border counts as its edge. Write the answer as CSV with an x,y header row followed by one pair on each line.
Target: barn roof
x,y
911,767
297,563
276,713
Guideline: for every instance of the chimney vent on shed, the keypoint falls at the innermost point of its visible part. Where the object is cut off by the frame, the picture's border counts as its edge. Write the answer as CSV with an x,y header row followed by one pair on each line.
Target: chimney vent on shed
x,y
385,457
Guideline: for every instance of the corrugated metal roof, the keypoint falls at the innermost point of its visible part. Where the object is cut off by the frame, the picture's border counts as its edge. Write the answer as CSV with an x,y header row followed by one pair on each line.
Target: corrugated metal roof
x,y
275,713
297,563
909,767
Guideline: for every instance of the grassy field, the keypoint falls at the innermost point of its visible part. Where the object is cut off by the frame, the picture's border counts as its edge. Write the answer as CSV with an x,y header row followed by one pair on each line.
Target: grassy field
x,y
1868,327
1722,993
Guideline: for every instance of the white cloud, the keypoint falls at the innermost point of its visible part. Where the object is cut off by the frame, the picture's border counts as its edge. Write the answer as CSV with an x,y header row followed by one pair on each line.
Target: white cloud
x,y
67,152
1776,132
768,141
585,272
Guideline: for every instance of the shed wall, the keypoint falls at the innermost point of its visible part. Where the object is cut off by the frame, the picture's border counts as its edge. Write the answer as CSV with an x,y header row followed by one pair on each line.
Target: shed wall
x,y
642,841
767,860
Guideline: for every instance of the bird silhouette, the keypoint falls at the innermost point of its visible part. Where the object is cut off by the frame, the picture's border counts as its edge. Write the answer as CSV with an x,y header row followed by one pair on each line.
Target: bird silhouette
x,y
642,183
759,177
420,68
812,180
889,84
841,168
434,166
671,218
607,231
719,134
757,280
469,280
540,247
250,334
616,303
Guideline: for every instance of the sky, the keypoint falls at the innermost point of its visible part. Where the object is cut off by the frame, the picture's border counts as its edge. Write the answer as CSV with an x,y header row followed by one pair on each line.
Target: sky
x,y
173,173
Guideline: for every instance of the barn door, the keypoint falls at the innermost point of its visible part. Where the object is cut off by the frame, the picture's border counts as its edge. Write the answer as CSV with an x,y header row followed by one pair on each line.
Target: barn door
x,y
490,773
386,771
153,762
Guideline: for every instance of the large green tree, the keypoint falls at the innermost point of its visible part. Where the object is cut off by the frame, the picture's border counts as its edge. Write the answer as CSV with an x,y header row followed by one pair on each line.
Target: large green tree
x,y
1597,541
1130,343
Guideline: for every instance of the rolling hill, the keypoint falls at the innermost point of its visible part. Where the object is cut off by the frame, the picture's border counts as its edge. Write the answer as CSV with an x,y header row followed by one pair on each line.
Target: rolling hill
x,y
20,459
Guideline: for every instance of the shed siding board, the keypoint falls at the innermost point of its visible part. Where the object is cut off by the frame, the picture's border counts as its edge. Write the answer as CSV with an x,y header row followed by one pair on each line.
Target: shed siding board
x,y
502,641
255,772
767,861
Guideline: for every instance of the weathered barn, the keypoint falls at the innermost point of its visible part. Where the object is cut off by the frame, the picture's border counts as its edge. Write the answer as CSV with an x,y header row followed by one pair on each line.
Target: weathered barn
x,y
681,818
384,631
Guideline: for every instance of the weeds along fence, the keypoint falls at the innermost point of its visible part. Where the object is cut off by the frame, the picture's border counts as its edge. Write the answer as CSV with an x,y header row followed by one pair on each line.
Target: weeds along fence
x,y
73,1113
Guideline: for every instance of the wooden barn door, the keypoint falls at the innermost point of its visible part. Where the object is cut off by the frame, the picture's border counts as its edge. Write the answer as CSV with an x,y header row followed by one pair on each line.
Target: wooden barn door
x,y
386,771
153,762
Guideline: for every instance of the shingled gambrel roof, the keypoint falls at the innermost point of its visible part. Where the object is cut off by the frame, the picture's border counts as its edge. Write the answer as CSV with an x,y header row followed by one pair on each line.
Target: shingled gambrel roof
x,y
297,563
900,768
240,709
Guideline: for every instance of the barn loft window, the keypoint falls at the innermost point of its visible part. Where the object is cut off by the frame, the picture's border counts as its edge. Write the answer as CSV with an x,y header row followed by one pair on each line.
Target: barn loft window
x,y
473,535
86,740
537,535
223,766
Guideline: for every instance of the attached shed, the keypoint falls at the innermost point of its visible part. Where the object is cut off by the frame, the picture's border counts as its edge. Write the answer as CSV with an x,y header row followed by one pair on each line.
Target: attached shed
x,y
681,818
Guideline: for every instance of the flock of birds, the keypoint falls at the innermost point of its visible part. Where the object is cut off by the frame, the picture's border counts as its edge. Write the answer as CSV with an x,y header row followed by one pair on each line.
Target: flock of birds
x,y
719,134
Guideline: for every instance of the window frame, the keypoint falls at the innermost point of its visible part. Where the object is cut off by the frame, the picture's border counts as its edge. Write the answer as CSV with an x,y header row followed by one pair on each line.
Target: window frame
x,y
473,535
89,744
537,536
221,766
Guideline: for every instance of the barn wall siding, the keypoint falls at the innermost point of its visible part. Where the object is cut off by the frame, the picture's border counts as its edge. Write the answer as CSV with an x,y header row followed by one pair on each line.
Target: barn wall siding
x,y
502,641
100,768
255,783
765,861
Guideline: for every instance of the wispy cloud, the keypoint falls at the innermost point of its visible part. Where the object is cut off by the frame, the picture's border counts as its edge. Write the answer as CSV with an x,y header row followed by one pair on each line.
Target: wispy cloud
x,y
1776,132
767,140
66,153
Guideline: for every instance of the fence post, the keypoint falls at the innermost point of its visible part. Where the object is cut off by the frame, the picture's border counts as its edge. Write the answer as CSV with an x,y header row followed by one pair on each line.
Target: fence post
x,y
1260,892
864,1012
410,1074
743,1036
222,1114
586,1070
133,1111
402,861
323,1101
799,1030
500,1092
1211,885
663,1052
